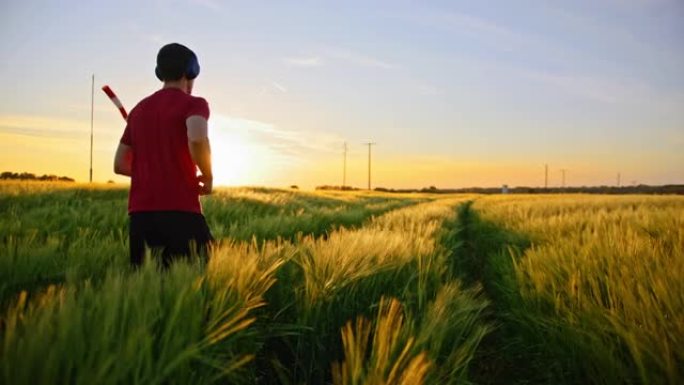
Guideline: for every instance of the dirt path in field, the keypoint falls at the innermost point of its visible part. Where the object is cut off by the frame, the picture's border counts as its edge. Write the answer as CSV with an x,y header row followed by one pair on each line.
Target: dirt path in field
x,y
505,355
295,354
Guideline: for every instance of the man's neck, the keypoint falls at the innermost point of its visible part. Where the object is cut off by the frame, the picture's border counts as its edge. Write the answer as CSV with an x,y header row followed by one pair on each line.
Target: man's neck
x,y
179,84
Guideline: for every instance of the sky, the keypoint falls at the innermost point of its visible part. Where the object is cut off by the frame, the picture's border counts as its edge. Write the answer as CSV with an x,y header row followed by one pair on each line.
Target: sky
x,y
455,94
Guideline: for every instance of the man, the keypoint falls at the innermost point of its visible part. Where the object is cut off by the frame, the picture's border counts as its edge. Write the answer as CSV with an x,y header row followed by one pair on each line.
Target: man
x,y
163,145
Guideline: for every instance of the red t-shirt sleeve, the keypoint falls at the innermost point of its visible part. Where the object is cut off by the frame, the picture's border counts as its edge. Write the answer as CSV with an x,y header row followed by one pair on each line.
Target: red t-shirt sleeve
x,y
198,106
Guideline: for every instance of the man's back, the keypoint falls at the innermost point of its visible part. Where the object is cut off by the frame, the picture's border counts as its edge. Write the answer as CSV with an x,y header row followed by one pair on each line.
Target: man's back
x,y
163,172
163,146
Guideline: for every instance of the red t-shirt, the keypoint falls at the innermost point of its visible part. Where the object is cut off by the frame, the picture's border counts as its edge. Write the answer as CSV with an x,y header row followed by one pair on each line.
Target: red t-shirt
x,y
164,174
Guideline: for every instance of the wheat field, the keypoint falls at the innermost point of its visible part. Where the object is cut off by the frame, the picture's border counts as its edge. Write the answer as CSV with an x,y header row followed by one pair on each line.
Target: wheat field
x,y
345,288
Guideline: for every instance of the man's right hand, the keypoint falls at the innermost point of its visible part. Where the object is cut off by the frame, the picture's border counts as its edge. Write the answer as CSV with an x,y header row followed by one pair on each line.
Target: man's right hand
x,y
206,184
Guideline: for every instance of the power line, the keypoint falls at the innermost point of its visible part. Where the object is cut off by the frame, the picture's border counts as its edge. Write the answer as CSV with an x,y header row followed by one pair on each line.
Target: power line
x,y
546,176
563,170
344,168
92,108
369,144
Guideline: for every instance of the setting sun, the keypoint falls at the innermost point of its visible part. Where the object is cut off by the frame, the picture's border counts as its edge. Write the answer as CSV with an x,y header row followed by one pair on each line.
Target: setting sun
x,y
241,151
231,159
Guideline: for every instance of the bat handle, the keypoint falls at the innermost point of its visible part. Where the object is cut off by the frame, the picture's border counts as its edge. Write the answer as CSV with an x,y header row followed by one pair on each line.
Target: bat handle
x,y
112,96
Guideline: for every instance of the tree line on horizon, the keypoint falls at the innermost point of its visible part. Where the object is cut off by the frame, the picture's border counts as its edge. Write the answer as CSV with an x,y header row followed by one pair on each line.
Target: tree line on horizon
x,y
677,189
8,175
635,189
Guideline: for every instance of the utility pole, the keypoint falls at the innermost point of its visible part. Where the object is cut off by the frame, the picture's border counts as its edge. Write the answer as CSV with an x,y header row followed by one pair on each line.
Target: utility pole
x,y
369,144
546,176
563,172
618,180
92,108
344,169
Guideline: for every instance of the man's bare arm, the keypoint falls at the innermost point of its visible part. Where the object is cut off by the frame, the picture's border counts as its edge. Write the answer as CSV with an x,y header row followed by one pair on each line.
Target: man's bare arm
x,y
200,150
123,160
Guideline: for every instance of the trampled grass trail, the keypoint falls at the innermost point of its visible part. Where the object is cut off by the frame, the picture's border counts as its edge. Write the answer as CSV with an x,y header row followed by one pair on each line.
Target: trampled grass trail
x,y
400,255
584,289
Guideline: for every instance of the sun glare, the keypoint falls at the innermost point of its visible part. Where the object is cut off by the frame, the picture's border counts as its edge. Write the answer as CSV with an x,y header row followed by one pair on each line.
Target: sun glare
x,y
230,158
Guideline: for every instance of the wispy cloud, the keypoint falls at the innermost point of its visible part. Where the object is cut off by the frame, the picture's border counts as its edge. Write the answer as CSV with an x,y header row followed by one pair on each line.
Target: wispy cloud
x,y
495,34
331,55
478,26
156,38
210,4
357,58
41,126
271,87
144,33
602,86
279,87
600,90
289,144
607,90
304,61
427,89
643,3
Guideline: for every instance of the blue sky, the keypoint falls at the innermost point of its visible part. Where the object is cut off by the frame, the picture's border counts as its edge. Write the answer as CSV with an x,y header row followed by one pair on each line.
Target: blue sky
x,y
456,94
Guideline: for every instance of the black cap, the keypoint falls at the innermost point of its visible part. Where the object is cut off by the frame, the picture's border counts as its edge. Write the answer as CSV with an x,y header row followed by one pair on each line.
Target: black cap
x,y
175,60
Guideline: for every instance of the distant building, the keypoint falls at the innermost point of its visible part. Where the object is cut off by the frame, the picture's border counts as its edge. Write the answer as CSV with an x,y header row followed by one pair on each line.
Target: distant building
x,y
504,189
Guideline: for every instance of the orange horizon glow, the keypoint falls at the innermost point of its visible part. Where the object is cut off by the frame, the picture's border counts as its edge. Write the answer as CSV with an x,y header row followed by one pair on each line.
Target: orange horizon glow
x,y
241,160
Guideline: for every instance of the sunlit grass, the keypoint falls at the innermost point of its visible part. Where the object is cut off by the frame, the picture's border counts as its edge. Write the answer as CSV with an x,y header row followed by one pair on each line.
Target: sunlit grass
x,y
57,232
139,328
266,309
343,287
603,276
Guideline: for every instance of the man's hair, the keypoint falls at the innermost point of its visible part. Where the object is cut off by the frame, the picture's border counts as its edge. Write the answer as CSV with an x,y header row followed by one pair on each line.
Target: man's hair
x,y
174,61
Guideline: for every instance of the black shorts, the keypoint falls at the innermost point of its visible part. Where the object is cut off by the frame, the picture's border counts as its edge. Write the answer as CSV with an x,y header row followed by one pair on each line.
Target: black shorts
x,y
174,233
